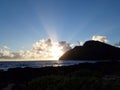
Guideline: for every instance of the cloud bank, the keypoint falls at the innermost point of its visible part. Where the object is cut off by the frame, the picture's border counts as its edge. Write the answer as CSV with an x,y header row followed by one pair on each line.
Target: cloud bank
x,y
100,38
5,54
41,50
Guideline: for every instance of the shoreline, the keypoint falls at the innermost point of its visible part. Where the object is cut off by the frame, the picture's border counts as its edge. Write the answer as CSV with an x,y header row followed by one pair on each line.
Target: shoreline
x,y
25,75
5,65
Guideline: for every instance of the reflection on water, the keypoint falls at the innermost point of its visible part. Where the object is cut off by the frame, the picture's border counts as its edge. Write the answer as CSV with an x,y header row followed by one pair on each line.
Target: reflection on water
x,y
37,64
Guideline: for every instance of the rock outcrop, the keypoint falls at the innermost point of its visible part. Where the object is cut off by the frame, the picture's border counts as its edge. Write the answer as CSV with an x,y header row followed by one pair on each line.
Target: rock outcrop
x,y
92,50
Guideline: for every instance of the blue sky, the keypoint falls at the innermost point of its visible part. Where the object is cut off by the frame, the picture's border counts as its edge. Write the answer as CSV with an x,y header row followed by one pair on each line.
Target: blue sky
x,y
23,22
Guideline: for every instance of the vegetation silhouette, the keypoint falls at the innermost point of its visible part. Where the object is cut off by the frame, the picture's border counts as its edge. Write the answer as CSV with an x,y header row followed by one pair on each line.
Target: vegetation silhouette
x,y
83,76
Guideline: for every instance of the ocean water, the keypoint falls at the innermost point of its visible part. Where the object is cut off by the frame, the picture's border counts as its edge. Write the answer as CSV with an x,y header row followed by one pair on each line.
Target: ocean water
x,y
36,64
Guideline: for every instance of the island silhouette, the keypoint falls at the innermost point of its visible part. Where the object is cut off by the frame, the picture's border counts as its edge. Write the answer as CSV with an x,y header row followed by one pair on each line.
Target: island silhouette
x,y
92,50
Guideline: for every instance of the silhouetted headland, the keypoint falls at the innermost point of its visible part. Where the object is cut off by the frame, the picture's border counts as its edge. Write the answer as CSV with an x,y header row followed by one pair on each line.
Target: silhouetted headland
x,y
92,50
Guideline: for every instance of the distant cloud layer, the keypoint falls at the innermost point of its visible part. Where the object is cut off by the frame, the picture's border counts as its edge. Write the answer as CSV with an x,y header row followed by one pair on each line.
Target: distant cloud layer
x,y
6,47
100,38
5,54
42,50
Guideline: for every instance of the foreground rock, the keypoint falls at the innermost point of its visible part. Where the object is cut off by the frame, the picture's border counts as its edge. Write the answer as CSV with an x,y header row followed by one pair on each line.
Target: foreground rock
x,y
84,76
93,50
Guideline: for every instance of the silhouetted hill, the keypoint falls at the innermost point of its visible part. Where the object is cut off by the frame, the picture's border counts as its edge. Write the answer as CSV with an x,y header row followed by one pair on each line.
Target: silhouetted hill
x,y
92,50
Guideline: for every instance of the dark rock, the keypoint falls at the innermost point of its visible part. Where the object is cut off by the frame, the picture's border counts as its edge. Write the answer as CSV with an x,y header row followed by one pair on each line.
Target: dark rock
x,y
92,50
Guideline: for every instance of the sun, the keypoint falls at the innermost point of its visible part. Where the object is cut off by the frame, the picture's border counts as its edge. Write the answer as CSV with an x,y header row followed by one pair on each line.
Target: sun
x,y
56,52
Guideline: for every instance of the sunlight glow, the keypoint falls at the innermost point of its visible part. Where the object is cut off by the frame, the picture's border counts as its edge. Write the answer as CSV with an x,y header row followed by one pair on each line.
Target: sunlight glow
x,y
56,52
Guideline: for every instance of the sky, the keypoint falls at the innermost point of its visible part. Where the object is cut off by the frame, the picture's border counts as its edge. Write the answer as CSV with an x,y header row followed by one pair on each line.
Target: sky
x,y
27,24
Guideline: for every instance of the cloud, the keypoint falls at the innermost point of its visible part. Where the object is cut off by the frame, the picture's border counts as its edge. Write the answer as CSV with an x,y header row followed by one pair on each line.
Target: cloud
x,y
46,49
41,50
65,46
117,44
4,54
100,38
6,47
80,43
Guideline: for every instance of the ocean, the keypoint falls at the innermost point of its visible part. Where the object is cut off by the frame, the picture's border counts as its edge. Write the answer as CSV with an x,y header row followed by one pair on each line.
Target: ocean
x,y
5,65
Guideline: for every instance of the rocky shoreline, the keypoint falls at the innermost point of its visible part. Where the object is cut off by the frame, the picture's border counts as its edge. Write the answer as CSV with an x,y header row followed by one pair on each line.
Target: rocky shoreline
x,y
20,77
